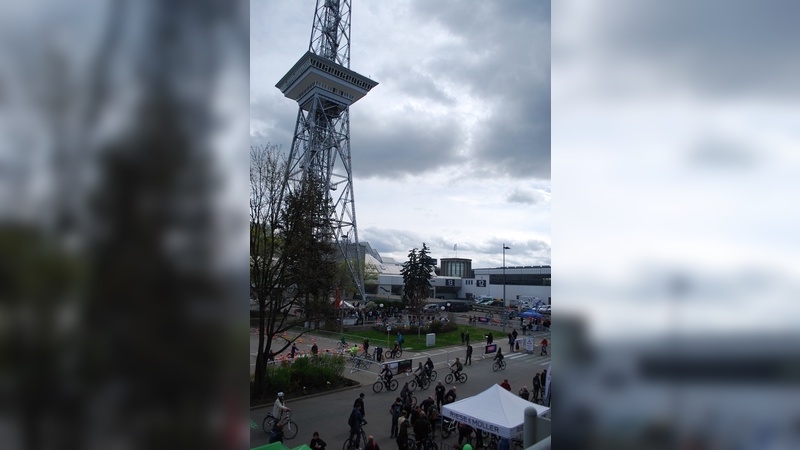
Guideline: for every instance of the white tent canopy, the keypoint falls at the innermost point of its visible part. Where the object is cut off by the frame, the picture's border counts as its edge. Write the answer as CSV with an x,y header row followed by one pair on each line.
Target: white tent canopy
x,y
494,410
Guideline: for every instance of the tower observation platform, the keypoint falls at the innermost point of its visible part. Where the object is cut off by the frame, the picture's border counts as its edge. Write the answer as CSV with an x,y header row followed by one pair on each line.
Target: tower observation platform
x,y
314,75
324,87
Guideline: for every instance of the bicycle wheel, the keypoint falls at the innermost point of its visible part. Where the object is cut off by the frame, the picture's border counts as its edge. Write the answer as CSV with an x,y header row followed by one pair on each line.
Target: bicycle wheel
x,y
424,383
268,423
462,378
412,444
378,386
412,385
393,385
290,430
445,428
448,379
433,375
495,366
503,365
348,444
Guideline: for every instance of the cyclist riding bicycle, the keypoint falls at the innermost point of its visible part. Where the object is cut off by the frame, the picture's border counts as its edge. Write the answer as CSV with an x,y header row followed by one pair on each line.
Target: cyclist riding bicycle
x,y
386,373
355,421
499,356
428,368
456,367
353,351
419,374
279,408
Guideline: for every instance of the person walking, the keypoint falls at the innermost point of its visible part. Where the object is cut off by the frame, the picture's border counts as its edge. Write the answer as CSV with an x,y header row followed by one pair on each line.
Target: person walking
x,y
439,394
314,349
468,359
536,387
317,443
400,340
462,337
396,410
544,347
433,418
466,337
524,392
402,436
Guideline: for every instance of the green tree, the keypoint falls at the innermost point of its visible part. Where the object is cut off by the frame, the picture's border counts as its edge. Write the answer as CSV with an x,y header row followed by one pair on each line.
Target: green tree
x,y
417,274
311,253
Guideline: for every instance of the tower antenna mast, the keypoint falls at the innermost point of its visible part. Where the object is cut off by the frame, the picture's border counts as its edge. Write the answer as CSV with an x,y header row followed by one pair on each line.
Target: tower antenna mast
x,y
324,87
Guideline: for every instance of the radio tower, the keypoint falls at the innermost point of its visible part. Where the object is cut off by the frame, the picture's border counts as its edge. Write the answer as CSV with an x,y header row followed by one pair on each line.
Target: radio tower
x,y
324,87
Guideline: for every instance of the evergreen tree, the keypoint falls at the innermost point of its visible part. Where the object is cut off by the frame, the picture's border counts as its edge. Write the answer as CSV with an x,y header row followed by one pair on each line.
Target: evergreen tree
x,y
417,274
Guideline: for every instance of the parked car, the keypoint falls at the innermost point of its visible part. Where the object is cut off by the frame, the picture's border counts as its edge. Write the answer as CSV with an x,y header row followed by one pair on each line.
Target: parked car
x,y
459,306
544,309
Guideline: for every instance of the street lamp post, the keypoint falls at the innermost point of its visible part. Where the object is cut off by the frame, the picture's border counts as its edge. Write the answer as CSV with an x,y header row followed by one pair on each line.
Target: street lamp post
x,y
505,313
504,273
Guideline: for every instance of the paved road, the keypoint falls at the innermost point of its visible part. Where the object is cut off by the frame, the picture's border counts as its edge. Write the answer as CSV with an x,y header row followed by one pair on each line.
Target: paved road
x,y
328,413
304,344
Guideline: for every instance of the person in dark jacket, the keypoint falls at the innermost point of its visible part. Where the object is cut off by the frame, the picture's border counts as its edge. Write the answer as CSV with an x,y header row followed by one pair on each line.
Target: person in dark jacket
x,y
422,429
402,436
440,390
317,443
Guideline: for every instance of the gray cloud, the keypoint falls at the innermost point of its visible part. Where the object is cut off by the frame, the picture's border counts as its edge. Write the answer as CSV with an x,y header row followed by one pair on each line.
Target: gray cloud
x,y
404,146
525,196
713,47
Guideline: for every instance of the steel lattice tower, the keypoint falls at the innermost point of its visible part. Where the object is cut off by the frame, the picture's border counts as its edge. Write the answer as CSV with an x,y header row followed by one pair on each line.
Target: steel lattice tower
x,y
324,87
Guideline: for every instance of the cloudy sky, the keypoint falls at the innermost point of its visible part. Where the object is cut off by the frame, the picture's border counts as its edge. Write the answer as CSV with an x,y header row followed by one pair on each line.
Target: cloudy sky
x,y
453,146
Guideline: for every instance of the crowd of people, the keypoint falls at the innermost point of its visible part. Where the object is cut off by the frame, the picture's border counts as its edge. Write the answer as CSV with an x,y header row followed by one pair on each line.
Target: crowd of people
x,y
422,420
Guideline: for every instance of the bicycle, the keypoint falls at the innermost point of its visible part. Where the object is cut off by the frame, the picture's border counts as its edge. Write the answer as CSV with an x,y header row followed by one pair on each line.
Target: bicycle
x,y
380,383
420,381
413,400
428,444
461,377
499,365
432,375
289,428
449,426
348,444
394,353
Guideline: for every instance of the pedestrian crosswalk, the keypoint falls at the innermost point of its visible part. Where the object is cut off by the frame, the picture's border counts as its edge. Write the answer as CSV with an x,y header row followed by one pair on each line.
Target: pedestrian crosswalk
x,y
529,358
